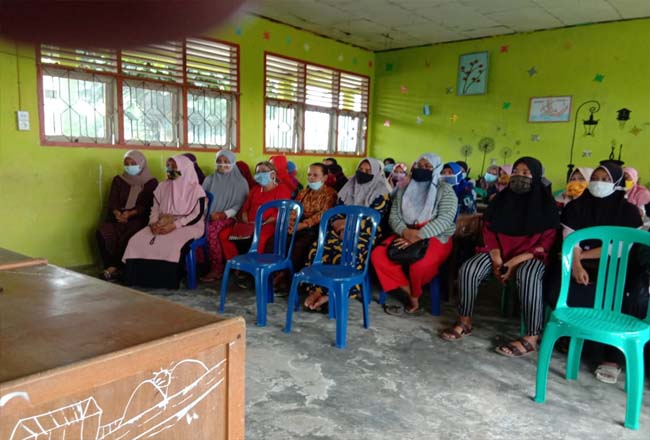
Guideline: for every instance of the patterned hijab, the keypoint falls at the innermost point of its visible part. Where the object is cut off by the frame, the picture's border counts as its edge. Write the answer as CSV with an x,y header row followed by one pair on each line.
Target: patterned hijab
x,y
229,189
180,196
137,182
419,198
354,193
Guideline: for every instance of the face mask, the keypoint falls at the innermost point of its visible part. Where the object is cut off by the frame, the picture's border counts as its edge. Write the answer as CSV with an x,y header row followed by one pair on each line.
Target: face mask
x,y
576,188
490,178
363,177
422,175
223,167
629,185
399,176
172,173
601,189
520,184
389,167
315,185
263,178
132,170
452,180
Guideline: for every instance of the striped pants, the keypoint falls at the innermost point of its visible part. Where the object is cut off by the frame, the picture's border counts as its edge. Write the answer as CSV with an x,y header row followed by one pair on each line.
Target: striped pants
x,y
528,276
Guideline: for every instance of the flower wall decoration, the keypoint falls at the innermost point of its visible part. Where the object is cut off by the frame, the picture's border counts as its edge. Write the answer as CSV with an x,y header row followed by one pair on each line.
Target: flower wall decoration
x,y
473,74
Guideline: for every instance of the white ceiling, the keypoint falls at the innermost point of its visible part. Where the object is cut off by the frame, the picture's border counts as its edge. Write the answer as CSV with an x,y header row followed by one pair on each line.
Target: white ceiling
x,y
392,24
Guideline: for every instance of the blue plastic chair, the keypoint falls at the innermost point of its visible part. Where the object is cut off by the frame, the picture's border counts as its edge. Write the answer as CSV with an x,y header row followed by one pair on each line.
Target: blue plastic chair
x,y
604,322
190,258
262,265
341,277
434,290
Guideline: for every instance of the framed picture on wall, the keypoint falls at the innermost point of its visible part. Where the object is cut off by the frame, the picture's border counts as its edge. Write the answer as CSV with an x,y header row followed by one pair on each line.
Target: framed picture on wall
x,y
550,109
472,74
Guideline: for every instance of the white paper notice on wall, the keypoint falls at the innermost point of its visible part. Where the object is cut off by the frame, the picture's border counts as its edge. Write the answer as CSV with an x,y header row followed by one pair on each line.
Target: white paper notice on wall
x,y
22,117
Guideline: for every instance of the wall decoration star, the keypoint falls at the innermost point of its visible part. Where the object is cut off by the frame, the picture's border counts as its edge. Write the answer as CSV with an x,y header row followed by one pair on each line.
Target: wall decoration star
x,y
266,35
635,130
449,90
599,77
504,48
532,71
535,138
506,105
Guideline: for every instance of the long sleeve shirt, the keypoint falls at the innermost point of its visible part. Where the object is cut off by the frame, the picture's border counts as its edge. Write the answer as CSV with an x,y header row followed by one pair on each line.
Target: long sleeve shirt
x,y
512,246
315,203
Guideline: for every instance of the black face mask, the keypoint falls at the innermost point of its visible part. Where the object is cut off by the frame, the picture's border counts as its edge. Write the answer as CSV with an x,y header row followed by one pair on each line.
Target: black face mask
x,y
363,177
520,184
422,175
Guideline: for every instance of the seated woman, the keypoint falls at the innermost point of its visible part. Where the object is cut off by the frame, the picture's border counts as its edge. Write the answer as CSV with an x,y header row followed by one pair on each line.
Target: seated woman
x,y
245,171
370,188
389,164
637,195
129,205
281,165
424,210
335,176
487,182
197,168
230,190
154,256
398,177
520,227
315,199
452,173
502,182
266,189
603,204
577,184
292,169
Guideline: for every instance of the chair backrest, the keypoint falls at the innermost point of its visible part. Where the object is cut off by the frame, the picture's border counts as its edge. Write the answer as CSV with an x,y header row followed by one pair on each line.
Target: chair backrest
x,y
210,197
356,218
283,220
616,243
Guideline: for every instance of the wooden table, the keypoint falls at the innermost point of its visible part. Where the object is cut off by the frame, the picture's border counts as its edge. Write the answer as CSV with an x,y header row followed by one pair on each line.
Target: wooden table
x,y
81,358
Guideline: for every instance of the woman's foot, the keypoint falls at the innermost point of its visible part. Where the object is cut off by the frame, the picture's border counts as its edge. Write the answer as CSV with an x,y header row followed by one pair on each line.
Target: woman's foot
x,y
414,305
212,276
109,274
458,331
519,348
315,300
608,372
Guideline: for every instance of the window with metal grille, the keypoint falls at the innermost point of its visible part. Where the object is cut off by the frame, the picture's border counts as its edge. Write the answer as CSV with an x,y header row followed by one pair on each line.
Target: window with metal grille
x,y
314,109
174,94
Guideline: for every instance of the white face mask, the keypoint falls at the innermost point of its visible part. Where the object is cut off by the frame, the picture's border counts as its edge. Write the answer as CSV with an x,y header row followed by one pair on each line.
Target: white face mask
x,y
223,168
601,189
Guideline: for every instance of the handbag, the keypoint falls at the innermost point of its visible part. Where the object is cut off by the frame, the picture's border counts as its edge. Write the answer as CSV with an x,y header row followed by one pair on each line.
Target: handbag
x,y
409,254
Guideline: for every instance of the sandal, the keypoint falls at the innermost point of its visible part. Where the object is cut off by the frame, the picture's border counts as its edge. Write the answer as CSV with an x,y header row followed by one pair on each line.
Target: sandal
x,y
451,334
511,350
109,276
393,310
607,373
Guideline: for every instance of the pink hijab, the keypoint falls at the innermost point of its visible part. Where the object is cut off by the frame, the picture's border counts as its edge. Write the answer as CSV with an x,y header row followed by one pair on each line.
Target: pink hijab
x,y
638,195
180,196
508,171
136,183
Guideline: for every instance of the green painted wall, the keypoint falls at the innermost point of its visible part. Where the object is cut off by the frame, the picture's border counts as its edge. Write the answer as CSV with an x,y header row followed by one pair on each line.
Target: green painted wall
x,y
51,197
566,60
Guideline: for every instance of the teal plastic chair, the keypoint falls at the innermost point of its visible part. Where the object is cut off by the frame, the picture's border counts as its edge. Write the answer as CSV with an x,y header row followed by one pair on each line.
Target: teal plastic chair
x,y
604,322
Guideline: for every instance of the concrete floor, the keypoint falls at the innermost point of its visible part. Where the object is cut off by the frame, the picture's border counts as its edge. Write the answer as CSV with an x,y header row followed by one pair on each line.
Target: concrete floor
x,y
398,380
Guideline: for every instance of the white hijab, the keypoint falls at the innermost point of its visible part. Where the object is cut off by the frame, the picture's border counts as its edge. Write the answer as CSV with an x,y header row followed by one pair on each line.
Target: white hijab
x,y
354,193
419,198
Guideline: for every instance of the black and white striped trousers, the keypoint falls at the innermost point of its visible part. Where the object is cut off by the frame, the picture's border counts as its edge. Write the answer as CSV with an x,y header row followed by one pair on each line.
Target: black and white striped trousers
x,y
528,276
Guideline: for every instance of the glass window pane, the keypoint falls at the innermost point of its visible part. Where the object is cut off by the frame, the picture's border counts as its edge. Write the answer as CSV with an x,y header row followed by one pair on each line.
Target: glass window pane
x,y
151,113
75,107
208,119
317,130
351,133
281,127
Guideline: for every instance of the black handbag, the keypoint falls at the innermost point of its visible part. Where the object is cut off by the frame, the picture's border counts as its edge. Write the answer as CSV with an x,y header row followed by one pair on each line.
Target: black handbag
x,y
409,254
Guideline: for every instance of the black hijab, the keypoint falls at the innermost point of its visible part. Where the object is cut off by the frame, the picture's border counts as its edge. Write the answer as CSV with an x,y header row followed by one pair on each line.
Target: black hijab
x,y
613,210
524,214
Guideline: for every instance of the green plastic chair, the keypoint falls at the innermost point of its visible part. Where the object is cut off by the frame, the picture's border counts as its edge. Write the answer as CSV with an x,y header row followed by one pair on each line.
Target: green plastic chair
x,y
604,322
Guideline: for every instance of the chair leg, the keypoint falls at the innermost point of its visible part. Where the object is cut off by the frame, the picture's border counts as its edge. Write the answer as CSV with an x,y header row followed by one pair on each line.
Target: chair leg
x,y
505,300
331,308
366,288
261,296
190,268
224,287
365,300
435,296
634,379
544,361
573,358
382,298
339,301
293,299
270,298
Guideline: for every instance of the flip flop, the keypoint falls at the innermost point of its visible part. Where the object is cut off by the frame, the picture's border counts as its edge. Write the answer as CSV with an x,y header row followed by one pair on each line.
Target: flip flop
x,y
394,310
607,373
513,351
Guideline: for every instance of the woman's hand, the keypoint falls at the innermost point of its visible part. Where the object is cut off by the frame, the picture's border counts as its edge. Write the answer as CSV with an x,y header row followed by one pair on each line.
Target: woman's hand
x,y
401,243
166,229
580,275
411,235
154,228
216,216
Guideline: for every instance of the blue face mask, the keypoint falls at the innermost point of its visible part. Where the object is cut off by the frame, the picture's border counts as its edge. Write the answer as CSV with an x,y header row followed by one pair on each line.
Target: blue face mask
x,y
132,170
389,167
452,180
315,185
263,178
490,178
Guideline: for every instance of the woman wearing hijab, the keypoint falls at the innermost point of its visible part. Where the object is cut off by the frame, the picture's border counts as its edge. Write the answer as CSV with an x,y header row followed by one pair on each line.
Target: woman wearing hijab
x,y
370,188
452,173
335,177
197,168
245,171
487,182
281,165
397,177
637,195
603,204
129,204
424,209
230,190
577,184
520,227
153,256
502,182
